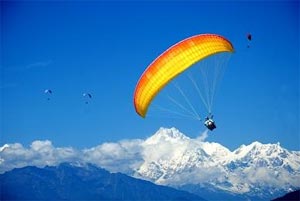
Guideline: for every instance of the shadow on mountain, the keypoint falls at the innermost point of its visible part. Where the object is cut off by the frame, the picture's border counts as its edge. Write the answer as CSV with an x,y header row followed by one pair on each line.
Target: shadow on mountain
x,y
292,196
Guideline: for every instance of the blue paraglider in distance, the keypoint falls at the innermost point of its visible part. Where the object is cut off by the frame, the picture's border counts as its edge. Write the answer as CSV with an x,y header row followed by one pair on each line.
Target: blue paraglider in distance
x,y
87,97
48,93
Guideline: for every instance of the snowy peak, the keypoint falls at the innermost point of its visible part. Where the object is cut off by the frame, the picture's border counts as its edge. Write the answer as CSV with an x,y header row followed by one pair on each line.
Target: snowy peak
x,y
166,135
216,150
171,158
257,147
259,150
4,147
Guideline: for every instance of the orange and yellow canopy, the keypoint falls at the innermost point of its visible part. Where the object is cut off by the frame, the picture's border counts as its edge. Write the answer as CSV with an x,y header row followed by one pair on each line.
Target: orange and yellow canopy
x,y
174,61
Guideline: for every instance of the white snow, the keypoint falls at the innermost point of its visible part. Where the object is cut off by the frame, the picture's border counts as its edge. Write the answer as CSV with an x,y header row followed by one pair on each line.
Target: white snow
x,y
169,157
181,160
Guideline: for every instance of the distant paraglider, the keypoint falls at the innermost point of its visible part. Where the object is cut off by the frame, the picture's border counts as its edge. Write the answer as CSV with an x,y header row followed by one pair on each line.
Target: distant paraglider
x,y
249,37
87,97
48,93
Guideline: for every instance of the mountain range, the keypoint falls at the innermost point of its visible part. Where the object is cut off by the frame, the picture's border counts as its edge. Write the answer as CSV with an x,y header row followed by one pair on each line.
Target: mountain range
x,y
256,171
87,182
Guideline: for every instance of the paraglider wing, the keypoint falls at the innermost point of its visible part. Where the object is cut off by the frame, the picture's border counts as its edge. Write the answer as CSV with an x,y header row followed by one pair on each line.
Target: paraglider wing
x,y
249,36
48,91
87,96
174,61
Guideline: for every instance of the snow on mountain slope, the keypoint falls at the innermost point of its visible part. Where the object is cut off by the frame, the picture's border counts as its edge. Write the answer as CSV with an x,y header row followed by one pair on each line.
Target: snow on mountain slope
x,y
171,158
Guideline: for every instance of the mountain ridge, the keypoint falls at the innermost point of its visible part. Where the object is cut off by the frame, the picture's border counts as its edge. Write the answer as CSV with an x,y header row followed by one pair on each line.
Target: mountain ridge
x,y
256,170
171,158
69,182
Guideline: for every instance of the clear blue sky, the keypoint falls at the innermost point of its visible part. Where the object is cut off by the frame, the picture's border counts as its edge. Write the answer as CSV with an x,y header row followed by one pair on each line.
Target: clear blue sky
x,y
103,47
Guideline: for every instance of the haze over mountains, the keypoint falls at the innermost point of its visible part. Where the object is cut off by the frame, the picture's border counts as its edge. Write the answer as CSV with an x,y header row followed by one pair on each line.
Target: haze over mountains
x,y
257,171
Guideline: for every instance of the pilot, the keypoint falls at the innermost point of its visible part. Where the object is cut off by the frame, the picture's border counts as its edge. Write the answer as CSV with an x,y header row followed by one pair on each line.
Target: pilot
x,y
209,123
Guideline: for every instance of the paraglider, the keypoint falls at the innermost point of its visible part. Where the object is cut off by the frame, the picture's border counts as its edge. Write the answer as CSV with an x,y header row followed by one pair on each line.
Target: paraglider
x,y
209,122
87,97
173,62
48,92
249,37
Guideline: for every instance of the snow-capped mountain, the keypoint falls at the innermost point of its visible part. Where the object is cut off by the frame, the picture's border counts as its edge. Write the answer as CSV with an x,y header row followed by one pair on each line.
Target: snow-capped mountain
x,y
264,170
168,157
